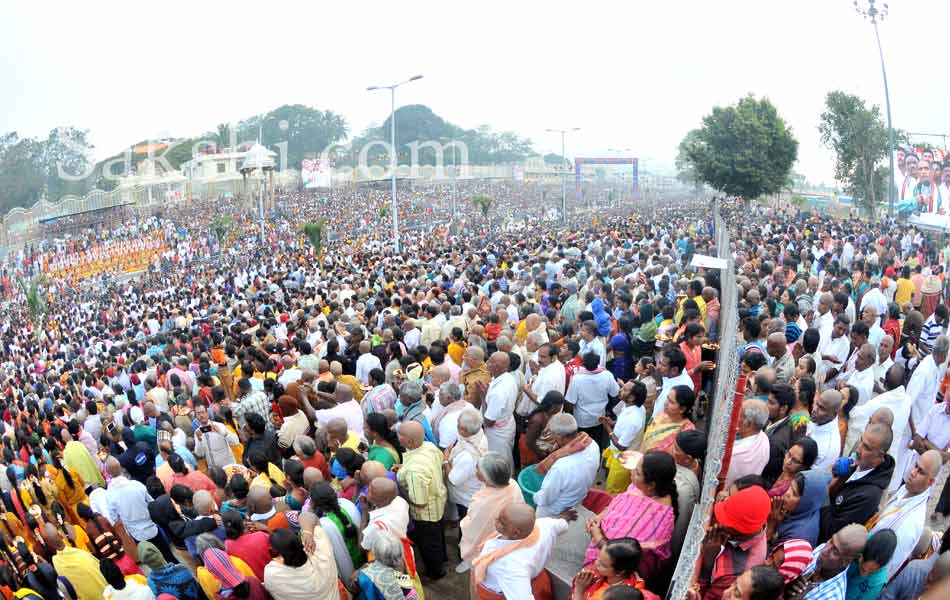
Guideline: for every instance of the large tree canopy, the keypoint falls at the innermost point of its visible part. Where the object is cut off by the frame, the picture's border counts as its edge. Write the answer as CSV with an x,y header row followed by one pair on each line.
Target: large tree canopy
x,y
742,150
857,135
417,123
31,168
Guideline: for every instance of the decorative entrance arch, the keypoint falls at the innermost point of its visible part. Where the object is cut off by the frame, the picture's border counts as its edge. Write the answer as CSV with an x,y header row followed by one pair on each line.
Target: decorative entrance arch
x,y
580,162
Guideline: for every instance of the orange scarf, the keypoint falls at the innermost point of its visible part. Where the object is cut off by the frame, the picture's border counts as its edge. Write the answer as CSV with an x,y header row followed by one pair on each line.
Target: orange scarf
x,y
580,441
481,563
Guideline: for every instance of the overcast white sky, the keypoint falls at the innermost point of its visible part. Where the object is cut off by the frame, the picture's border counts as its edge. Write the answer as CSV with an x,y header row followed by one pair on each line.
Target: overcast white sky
x,y
633,75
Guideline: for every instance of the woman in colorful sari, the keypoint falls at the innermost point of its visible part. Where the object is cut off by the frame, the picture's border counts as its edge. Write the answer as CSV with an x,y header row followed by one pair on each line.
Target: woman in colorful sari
x,y
69,486
390,576
384,445
498,492
645,512
616,564
340,526
661,432
800,457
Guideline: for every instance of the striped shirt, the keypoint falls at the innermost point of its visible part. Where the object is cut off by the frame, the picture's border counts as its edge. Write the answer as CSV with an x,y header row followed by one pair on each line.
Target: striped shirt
x,y
829,589
421,479
929,333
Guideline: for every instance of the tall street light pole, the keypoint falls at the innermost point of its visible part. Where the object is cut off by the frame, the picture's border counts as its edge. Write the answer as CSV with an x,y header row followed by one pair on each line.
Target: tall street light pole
x,y
392,157
563,132
875,15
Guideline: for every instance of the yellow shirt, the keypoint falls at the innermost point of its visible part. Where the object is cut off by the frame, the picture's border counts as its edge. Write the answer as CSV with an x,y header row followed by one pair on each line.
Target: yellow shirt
x,y
421,477
904,292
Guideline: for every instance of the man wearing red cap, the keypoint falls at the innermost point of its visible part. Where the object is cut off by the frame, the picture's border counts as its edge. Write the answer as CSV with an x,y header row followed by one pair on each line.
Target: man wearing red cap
x,y
736,541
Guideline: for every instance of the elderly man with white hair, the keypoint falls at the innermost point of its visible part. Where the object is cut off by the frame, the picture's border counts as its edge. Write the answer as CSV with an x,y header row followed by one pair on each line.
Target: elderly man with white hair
x,y
570,470
750,453
905,513
445,421
462,459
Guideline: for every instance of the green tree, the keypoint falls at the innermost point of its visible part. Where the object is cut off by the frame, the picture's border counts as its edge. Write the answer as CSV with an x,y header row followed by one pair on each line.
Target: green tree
x,y
743,150
221,226
222,135
857,135
314,230
483,203
685,170
34,295
306,130
418,123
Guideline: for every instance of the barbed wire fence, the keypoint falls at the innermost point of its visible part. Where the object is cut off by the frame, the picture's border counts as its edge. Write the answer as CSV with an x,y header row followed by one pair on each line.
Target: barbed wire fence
x,y
718,419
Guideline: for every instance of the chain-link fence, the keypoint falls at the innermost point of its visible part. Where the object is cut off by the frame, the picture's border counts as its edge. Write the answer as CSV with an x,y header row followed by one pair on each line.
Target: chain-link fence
x,y
718,419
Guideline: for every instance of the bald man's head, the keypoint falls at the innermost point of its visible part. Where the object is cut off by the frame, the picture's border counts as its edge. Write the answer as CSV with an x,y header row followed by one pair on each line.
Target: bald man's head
x,y
336,427
923,475
113,468
849,541
515,522
344,393
382,491
311,475
259,500
776,345
440,375
498,363
371,470
882,416
52,537
411,434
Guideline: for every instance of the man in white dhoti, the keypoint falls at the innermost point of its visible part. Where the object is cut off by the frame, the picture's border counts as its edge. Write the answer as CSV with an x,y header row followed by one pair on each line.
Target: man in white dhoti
x,y
823,428
570,470
925,381
498,407
933,434
906,512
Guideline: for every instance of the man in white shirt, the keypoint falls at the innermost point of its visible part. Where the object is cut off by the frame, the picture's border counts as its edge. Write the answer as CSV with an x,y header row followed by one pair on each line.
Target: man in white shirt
x,y
925,380
672,367
823,428
346,408
549,376
514,559
906,512
894,399
862,377
834,350
366,362
567,477
589,392
383,510
412,336
591,342
498,406
824,320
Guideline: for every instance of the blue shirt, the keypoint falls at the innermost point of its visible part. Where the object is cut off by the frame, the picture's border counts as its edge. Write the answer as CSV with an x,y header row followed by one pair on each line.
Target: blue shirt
x,y
128,502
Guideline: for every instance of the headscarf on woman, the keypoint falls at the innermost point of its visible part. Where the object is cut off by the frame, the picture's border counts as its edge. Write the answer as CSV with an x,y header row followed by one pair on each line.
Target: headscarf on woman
x,y
803,522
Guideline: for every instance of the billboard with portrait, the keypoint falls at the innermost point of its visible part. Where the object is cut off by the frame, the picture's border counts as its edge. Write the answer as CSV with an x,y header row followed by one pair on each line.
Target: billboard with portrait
x,y
923,179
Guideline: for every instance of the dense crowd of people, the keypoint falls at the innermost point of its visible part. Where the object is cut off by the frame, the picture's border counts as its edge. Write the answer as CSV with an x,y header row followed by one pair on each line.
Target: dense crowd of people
x,y
263,421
